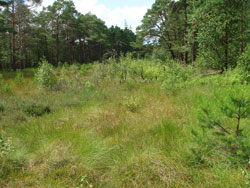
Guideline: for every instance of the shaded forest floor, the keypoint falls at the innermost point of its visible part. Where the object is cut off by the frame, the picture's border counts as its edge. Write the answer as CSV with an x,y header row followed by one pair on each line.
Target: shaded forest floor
x,y
110,135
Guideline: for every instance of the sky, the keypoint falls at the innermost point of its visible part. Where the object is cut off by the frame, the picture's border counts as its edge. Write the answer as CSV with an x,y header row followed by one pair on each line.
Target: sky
x,y
113,12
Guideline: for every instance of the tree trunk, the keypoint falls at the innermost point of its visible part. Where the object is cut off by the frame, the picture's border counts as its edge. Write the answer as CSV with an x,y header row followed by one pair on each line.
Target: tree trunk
x,y
57,42
185,33
13,37
80,50
68,54
20,28
226,47
10,44
241,27
194,45
238,126
238,122
170,46
83,50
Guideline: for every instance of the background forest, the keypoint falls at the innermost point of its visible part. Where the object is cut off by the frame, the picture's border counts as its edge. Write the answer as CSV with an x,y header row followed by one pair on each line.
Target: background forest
x,y
213,33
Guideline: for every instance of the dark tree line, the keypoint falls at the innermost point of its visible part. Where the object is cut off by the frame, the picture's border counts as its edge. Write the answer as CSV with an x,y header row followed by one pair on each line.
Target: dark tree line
x,y
59,33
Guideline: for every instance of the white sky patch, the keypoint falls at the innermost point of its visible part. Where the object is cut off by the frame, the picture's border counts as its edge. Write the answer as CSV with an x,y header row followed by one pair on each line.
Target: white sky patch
x,y
112,16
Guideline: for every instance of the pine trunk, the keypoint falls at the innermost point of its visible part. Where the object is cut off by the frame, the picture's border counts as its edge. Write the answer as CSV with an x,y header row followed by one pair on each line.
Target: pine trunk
x,y
13,37
226,47
241,27
185,33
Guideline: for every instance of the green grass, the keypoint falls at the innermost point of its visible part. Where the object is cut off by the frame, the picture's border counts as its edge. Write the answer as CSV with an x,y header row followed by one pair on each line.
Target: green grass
x,y
92,138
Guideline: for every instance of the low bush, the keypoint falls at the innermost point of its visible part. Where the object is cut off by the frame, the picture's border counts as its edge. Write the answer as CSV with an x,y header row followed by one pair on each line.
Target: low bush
x,y
46,76
2,108
19,80
36,109
176,76
6,147
89,85
70,78
244,66
246,175
5,89
1,80
131,103
85,68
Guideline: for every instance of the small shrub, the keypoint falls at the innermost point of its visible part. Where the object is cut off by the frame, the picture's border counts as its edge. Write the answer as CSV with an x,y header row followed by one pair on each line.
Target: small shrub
x,y
236,106
19,80
132,104
6,147
85,68
217,136
89,85
203,147
176,76
244,66
2,108
6,89
247,177
1,80
130,85
36,110
65,65
70,78
46,76
159,53
84,182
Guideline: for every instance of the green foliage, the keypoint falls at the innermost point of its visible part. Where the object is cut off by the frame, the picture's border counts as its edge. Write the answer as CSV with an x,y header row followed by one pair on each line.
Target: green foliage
x,y
160,53
70,78
176,76
1,80
244,65
132,104
5,3
129,69
161,26
203,148
46,76
85,69
236,104
120,41
4,87
247,177
6,148
36,109
19,80
84,182
217,137
89,85
2,108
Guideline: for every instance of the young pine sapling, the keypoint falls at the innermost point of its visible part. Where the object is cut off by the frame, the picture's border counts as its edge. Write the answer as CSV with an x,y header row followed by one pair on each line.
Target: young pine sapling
x,y
237,106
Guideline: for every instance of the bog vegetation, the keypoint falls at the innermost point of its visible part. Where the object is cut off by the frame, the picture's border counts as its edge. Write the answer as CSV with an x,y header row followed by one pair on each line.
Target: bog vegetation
x,y
84,105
